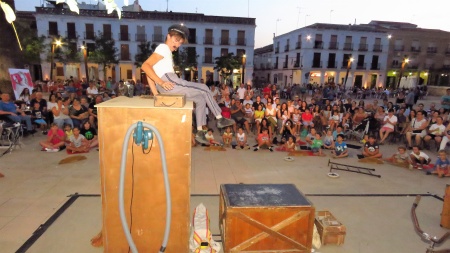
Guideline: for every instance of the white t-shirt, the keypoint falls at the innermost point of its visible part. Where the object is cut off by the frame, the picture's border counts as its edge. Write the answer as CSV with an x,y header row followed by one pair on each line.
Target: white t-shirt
x,y
441,129
393,119
421,154
241,92
165,65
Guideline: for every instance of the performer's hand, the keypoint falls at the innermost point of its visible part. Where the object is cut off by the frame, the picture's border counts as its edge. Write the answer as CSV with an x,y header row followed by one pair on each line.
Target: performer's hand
x,y
167,85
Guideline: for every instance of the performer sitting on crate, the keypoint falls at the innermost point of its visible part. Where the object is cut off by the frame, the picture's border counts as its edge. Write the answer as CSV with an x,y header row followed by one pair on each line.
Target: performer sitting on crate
x,y
162,79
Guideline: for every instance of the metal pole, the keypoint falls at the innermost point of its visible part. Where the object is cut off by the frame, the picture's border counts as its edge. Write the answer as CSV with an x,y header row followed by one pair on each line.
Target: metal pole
x,y
349,63
51,62
244,60
401,73
86,64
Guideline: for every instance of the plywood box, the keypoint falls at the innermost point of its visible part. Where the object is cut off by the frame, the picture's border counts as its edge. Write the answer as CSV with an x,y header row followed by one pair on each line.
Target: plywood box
x,y
265,218
148,208
331,231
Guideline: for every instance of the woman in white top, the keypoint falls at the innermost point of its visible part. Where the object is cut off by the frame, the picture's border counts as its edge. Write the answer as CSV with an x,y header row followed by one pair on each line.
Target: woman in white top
x,y
271,114
162,79
389,121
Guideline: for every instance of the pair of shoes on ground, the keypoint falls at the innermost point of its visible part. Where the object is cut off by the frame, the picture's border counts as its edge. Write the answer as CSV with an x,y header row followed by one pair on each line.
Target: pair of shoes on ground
x,y
50,149
257,148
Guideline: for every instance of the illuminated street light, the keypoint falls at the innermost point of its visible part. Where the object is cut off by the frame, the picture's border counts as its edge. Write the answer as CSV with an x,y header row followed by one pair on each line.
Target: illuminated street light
x,y
404,62
85,61
349,64
244,61
57,43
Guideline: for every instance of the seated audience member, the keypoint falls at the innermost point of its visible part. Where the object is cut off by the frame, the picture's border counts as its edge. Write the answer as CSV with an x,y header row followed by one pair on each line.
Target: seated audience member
x,y
258,116
38,118
55,139
389,122
296,120
263,140
247,100
238,115
241,139
271,114
210,138
307,119
328,140
68,132
435,132
317,143
400,158
249,114
442,165
445,138
288,146
417,129
61,113
78,142
227,137
418,158
358,117
78,113
287,130
90,134
371,149
93,110
340,147
8,109
42,102
310,137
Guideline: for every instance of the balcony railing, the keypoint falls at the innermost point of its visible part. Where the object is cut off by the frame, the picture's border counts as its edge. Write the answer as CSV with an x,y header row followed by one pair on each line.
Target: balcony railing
x,y
124,36
224,41
208,59
296,64
360,66
125,57
89,35
158,38
412,66
333,45
318,44
275,66
107,35
298,45
277,50
141,37
375,66
72,35
241,42
332,64
377,48
208,40
431,50
348,46
415,49
192,39
362,47
399,48
285,65
316,64
286,48
51,33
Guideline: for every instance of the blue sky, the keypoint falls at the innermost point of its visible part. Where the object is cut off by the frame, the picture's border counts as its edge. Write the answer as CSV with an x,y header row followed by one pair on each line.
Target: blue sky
x,y
294,14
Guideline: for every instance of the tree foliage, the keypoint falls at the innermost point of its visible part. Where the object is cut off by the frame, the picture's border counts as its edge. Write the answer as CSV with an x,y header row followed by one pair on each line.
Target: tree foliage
x,y
185,58
225,65
105,53
145,50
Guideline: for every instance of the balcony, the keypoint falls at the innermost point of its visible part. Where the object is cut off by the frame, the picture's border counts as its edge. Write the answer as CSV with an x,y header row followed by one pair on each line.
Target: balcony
x,y
107,35
208,59
208,40
72,35
399,48
318,44
396,65
431,50
52,33
277,50
141,37
412,66
348,46
377,48
158,38
298,45
363,47
332,64
89,35
125,56
124,36
316,64
360,66
375,66
224,41
241,42
296,64
285,65
192,39
286,48
415,49
333,45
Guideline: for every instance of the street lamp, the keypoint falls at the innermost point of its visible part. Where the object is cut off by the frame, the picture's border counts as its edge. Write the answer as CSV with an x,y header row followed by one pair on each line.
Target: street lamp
x,y
244,60
85,61
349,64
404,62
58,44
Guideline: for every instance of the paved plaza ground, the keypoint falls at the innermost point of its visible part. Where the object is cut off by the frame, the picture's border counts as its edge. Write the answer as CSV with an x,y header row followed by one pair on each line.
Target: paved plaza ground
x,y
377,220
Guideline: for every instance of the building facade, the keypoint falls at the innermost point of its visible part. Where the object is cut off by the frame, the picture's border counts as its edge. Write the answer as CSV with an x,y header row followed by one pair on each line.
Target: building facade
x,y
210,37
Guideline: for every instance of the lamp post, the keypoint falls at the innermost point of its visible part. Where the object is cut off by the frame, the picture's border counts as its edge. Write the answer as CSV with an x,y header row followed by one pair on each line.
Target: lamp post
x,y
404,62
244,60
56,43
349,64
85,61
276,26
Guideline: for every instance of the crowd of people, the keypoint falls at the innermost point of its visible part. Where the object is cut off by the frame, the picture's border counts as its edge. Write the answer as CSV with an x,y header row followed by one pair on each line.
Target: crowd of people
x,y
329,117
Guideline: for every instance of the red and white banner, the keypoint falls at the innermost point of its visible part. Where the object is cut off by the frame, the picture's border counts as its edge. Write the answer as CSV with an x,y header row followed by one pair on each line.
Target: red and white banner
x,y
20,79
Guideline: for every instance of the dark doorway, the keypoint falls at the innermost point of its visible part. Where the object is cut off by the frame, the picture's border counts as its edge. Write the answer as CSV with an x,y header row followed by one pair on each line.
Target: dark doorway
x,y
358,81
373,81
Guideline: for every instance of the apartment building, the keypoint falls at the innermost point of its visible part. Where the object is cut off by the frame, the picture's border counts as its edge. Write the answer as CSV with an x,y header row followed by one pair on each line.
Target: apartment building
x,y
263,65
320,53
210,37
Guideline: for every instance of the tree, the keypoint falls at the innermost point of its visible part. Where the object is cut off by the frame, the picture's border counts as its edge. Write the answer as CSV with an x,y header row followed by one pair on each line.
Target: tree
x,y
105,53
145,50
185,58
225,64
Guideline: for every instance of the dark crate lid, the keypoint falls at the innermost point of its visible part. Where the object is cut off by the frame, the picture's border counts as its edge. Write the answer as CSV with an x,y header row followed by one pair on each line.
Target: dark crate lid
x,y
264,195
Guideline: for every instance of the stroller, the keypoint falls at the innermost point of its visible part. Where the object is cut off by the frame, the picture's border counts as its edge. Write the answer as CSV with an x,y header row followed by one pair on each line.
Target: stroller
x,y
368,126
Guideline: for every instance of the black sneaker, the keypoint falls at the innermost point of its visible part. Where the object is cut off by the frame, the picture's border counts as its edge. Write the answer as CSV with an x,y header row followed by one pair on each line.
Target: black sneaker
x,y
256,149
224,122
200,137
271,149
360,156
428,173
44,132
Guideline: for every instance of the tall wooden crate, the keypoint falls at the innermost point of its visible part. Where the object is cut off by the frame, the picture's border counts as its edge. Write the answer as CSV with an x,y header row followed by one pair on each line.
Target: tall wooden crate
x,y
146,195
265,218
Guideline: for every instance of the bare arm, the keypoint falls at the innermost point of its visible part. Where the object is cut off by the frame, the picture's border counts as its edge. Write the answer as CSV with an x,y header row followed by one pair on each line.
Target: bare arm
x,y
147,67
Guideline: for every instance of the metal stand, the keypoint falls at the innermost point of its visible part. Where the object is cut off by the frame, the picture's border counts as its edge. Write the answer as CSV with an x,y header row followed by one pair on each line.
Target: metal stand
x,y
351,168
10,138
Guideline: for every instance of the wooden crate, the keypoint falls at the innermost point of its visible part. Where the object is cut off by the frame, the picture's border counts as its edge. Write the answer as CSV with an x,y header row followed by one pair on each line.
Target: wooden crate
x,y
331,231
263,218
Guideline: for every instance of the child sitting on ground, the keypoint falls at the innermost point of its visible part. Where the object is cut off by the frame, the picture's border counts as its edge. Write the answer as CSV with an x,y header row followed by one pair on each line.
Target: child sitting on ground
x,y
38,117
241,139
77,142
400,158
371,149
289,146
340,147
264,140
316,145
68,132
210,137
442,166
418,158
227,137
328,140
55,139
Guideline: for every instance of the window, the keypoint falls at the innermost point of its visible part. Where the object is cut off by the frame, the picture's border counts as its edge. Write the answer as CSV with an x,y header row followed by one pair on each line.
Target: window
x,y
209,40
225,37
223,51
71,33
53,29
129,74
107,31
89,34
157,34
124,52
124,36
208,55
192,36
140,33
241,38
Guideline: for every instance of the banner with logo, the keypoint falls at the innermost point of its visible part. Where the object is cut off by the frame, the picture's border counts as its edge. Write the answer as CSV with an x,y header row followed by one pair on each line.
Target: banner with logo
x,y
20,79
